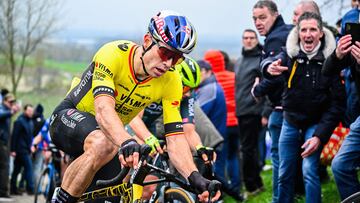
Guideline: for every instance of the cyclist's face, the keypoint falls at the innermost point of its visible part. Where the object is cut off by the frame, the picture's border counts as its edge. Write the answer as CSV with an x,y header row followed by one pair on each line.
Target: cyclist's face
x,y
160,59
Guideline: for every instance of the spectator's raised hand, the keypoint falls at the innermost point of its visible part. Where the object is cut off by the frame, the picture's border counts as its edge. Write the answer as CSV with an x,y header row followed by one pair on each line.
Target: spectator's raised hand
x,y
275,68
343,47
355,51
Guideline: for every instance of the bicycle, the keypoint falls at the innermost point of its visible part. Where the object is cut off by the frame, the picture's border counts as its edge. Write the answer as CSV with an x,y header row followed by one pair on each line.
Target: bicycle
x,y
49,178
131,192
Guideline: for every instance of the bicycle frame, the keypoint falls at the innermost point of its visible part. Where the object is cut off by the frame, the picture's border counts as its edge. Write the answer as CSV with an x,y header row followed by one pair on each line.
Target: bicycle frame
x,y
129,193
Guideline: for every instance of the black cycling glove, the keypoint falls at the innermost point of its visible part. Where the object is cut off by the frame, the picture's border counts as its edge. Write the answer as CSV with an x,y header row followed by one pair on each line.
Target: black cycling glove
x,y
129,147
205,150
198,182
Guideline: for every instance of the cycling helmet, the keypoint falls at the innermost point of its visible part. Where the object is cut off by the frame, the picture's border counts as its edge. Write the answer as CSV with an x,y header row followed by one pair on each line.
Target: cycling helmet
x,y
173,29
190,72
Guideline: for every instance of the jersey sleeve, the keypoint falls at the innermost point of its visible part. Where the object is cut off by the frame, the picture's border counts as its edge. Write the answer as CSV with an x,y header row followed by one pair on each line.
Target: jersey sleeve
x,y
172,94
105,63
187,109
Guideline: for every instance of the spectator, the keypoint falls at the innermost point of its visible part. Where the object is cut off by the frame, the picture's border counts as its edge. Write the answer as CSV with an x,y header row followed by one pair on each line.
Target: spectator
x,y
3,92
353,102
8,108
313,103
346,162
248,110
229,65
305,6
354,3
270,24
21,141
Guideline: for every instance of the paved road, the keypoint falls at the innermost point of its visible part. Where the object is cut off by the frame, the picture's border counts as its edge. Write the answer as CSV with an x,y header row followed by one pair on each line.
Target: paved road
x,y
20,199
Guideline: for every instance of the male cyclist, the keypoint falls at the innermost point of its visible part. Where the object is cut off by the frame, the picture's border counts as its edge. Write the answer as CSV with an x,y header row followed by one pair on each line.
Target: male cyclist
x,y
190,74
122,79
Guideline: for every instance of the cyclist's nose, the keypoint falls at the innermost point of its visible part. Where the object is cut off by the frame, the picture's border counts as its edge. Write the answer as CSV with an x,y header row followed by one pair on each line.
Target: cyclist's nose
x,y
168,62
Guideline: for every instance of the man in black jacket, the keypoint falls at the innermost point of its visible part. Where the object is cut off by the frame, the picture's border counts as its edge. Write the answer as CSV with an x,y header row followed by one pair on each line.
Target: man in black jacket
x,y
21,141
346,162
313,103
248,110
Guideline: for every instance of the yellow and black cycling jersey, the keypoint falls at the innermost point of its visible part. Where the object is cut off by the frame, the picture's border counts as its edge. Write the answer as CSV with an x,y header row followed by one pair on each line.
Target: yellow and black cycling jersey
x,y
111,73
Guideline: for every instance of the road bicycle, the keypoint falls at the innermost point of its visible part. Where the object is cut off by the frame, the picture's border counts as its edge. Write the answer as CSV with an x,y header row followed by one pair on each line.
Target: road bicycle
x,y
131,192
49,178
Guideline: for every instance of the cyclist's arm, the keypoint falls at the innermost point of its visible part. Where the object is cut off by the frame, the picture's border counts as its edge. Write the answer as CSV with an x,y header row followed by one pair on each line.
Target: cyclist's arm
x,y
180,155
192,136
103,86
108,120
142,132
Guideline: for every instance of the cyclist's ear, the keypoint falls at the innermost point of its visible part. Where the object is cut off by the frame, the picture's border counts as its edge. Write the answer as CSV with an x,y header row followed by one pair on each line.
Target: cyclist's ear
x,y
147,40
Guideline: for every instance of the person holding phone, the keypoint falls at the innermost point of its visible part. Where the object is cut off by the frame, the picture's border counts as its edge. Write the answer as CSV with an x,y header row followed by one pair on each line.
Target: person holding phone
x,y
347,54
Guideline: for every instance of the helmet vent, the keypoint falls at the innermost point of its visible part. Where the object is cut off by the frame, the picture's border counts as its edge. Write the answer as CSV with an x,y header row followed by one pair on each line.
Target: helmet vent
x,y
184,74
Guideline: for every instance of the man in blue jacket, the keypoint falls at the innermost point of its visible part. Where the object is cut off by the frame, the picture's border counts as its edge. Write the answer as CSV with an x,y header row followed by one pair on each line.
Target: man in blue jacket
x,y
21,142
8,108
269,23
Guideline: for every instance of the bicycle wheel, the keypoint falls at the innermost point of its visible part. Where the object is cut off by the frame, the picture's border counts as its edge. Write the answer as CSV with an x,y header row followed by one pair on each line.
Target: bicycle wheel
x,y
353,198
177,195
44,187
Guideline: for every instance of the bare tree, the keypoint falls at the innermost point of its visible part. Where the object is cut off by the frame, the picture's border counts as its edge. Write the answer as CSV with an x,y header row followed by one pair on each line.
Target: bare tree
x,y
24,24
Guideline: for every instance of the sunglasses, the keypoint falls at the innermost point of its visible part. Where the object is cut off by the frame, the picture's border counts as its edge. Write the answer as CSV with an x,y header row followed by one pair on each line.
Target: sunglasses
x,y
12,101
166,54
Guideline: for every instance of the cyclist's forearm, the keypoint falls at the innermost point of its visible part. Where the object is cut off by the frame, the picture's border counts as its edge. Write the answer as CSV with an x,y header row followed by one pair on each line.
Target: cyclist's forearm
x,y
109,121
180,155
139,127
192,136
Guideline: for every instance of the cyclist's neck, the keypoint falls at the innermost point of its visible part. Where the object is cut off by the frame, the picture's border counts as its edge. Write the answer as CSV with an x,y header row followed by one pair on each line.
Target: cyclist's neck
x,y
138,66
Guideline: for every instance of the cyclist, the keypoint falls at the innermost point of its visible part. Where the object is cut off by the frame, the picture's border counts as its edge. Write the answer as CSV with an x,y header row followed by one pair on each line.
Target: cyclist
x,y
122,79
190,74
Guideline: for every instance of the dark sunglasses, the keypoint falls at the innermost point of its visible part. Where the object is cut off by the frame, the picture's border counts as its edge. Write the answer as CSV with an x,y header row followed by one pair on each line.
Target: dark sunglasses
x,y
166,54
12,101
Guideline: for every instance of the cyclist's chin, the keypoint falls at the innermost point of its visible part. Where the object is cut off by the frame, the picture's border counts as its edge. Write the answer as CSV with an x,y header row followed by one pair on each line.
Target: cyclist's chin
x,y
156,72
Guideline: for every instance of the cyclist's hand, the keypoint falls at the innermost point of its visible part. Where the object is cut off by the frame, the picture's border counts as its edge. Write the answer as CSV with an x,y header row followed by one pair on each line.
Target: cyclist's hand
x,y
153,142
201,185
206,153
129,153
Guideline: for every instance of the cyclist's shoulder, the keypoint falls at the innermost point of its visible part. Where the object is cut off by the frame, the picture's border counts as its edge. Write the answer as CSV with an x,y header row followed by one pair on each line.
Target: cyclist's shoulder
x,y
115,50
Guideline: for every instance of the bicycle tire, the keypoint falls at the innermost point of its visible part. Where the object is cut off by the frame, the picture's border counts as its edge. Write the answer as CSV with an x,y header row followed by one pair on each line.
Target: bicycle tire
x,y
177,195
354,198
44,187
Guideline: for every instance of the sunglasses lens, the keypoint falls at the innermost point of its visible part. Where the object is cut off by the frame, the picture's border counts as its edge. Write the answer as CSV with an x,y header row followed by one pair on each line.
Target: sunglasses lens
x,y
166,54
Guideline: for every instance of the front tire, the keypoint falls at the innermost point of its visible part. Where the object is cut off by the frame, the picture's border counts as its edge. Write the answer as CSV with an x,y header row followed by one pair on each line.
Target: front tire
x,y
45,187
177,195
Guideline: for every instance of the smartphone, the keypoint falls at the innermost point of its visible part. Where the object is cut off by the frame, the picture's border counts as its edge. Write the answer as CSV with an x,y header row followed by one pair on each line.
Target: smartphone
x,y
354,30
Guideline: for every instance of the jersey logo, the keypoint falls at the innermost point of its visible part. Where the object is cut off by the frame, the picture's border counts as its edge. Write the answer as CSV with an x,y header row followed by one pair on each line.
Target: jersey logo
x,y
124,46
175,103
104,69
131,101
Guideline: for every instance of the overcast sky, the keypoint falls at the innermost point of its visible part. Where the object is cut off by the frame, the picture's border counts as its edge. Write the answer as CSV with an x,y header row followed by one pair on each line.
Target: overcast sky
x,y
214,19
